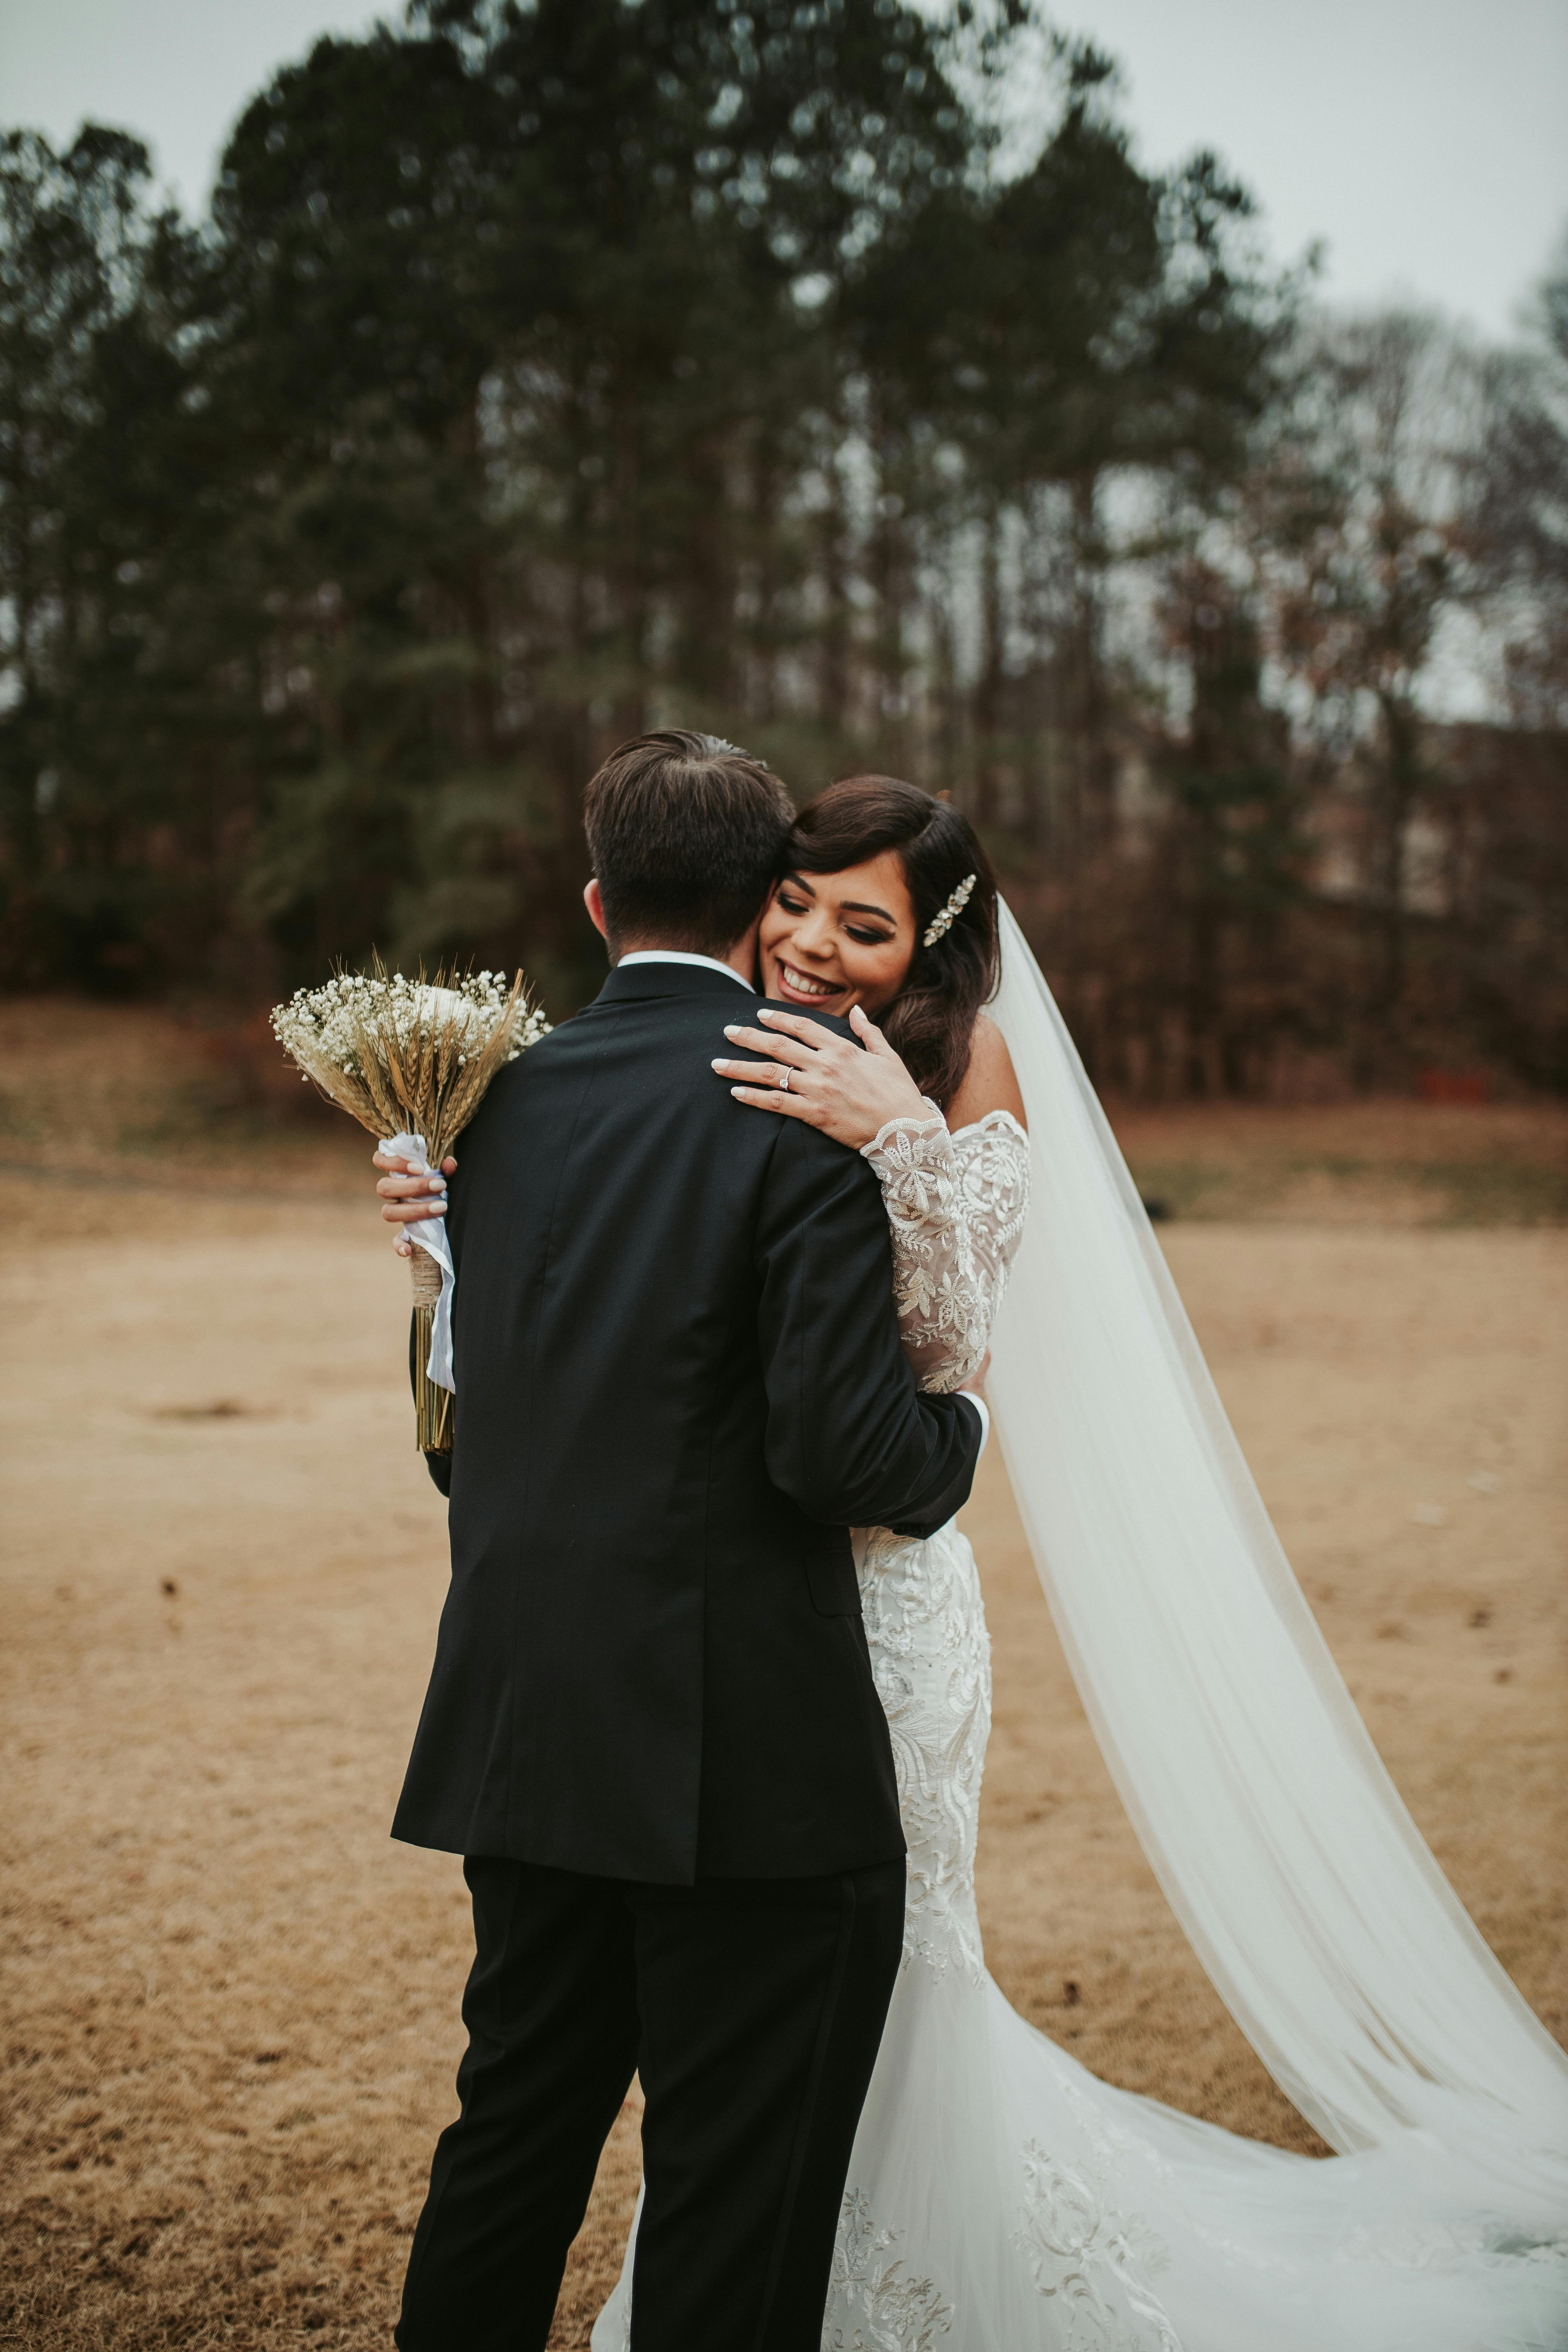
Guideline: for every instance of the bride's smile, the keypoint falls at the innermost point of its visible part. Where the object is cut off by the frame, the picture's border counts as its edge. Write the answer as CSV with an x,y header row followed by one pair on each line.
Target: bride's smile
x,y
829,941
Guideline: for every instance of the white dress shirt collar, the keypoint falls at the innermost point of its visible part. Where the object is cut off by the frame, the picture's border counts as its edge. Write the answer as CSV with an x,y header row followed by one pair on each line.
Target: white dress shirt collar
x,y
679,955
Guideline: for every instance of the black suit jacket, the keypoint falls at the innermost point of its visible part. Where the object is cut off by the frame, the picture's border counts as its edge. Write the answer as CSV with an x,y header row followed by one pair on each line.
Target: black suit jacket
x,y
679,1382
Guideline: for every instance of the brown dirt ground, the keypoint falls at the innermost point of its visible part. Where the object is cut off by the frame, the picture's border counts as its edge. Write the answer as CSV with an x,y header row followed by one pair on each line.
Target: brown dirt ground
x,y
230,2004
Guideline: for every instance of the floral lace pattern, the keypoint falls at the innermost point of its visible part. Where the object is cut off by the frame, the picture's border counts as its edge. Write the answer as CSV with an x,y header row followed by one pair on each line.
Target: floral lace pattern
x,y
956,1203
935,2244
1091,2262
872,2306
926,1628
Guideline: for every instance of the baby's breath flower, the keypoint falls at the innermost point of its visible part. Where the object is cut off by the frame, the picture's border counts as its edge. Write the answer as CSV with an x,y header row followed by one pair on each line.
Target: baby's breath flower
x,y
332,1026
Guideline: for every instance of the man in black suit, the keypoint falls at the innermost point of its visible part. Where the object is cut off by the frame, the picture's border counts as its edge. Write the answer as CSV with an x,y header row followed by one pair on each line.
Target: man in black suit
x,y
651,1729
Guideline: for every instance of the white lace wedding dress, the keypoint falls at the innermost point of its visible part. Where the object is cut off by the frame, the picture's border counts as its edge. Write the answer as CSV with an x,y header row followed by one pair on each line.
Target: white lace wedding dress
x,y
1001,2198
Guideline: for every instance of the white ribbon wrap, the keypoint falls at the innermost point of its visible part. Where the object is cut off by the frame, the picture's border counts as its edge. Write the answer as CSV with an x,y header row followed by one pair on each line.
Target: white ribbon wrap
x,y
430,1233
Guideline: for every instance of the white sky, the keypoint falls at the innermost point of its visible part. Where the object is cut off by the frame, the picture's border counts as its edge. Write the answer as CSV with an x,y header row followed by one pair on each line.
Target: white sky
x,y
1425,141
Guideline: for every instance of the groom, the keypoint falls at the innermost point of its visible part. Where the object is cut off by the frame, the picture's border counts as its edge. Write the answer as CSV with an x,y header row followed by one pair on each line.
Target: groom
x,y
651,1729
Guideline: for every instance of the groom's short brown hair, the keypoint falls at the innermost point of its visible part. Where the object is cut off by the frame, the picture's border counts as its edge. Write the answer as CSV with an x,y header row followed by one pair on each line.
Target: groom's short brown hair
x,y
686,834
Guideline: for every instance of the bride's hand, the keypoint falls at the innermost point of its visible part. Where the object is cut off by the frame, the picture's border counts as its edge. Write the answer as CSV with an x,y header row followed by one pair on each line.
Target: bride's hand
x,y
831,1084
405,1197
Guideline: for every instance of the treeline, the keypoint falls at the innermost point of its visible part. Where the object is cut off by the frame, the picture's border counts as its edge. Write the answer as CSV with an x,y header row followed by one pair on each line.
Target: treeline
x,y
542,374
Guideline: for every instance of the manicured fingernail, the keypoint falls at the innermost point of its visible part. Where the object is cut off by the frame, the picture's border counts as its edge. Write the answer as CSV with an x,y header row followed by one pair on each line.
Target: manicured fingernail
x,y
731,1029
437,1184
720,1067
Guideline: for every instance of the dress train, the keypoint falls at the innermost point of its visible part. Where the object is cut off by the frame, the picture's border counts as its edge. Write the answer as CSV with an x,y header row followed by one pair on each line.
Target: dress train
x,y
1000,2197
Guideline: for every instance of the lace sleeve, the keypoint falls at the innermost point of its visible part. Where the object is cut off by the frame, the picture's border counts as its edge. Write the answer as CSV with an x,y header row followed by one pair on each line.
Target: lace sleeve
x,y
956,1204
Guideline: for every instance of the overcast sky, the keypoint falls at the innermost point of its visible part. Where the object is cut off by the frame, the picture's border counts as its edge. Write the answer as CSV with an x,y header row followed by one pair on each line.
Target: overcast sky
x,y
1424,142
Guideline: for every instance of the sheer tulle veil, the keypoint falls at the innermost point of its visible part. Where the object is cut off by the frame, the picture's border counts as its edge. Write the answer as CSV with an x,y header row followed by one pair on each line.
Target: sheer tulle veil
x,y
1275,1830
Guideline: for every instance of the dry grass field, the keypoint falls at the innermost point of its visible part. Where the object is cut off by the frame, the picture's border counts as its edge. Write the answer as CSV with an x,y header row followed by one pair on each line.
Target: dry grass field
x,y
230,2003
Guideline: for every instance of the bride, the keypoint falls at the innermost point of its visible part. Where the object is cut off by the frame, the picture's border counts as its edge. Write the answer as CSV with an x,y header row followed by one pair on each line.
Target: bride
x,y
1002,2199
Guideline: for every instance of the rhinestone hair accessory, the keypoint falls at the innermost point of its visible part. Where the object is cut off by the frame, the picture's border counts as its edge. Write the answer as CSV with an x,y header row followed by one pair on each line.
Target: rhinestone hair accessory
x,y
944,921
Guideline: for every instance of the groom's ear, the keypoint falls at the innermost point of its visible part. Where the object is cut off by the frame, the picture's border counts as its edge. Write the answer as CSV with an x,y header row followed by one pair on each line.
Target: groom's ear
x,y
592,898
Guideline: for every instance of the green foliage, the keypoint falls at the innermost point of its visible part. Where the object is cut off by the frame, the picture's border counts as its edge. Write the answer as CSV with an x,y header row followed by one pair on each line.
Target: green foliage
x,y
546,372
96,303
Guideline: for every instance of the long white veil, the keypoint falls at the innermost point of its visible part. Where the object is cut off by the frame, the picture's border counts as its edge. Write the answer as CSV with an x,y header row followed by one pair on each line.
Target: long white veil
x,y
1277,1835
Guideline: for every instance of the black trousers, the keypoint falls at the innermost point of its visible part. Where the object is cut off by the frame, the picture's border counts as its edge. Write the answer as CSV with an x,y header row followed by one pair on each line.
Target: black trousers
x,y
753,2010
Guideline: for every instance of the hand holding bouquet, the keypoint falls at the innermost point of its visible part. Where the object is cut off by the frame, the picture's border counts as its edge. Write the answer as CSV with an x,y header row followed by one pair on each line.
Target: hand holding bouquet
x,y
411,1059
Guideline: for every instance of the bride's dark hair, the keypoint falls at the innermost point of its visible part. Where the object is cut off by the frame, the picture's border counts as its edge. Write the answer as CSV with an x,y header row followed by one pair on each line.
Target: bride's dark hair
x,y
932,1019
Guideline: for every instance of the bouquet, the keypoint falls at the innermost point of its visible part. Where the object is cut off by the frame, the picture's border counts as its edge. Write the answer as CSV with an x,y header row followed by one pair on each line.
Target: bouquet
x,y
411,1059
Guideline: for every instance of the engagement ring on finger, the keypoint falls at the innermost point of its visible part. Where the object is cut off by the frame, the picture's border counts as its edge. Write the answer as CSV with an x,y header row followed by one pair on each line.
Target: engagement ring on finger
x,y
783,1080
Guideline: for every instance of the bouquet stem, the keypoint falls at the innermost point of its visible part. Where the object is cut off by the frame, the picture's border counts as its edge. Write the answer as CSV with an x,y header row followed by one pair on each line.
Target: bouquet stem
x,y
432,1403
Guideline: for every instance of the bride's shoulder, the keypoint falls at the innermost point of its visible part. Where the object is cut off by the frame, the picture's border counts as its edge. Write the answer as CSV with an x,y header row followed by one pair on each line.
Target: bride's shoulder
x,y
989,1083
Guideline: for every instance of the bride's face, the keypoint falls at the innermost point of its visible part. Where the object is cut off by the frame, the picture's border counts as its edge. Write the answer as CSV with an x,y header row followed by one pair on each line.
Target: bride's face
x,y
832,940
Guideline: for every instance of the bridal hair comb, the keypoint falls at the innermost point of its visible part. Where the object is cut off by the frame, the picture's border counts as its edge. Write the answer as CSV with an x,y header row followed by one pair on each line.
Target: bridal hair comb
x,y
944,921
